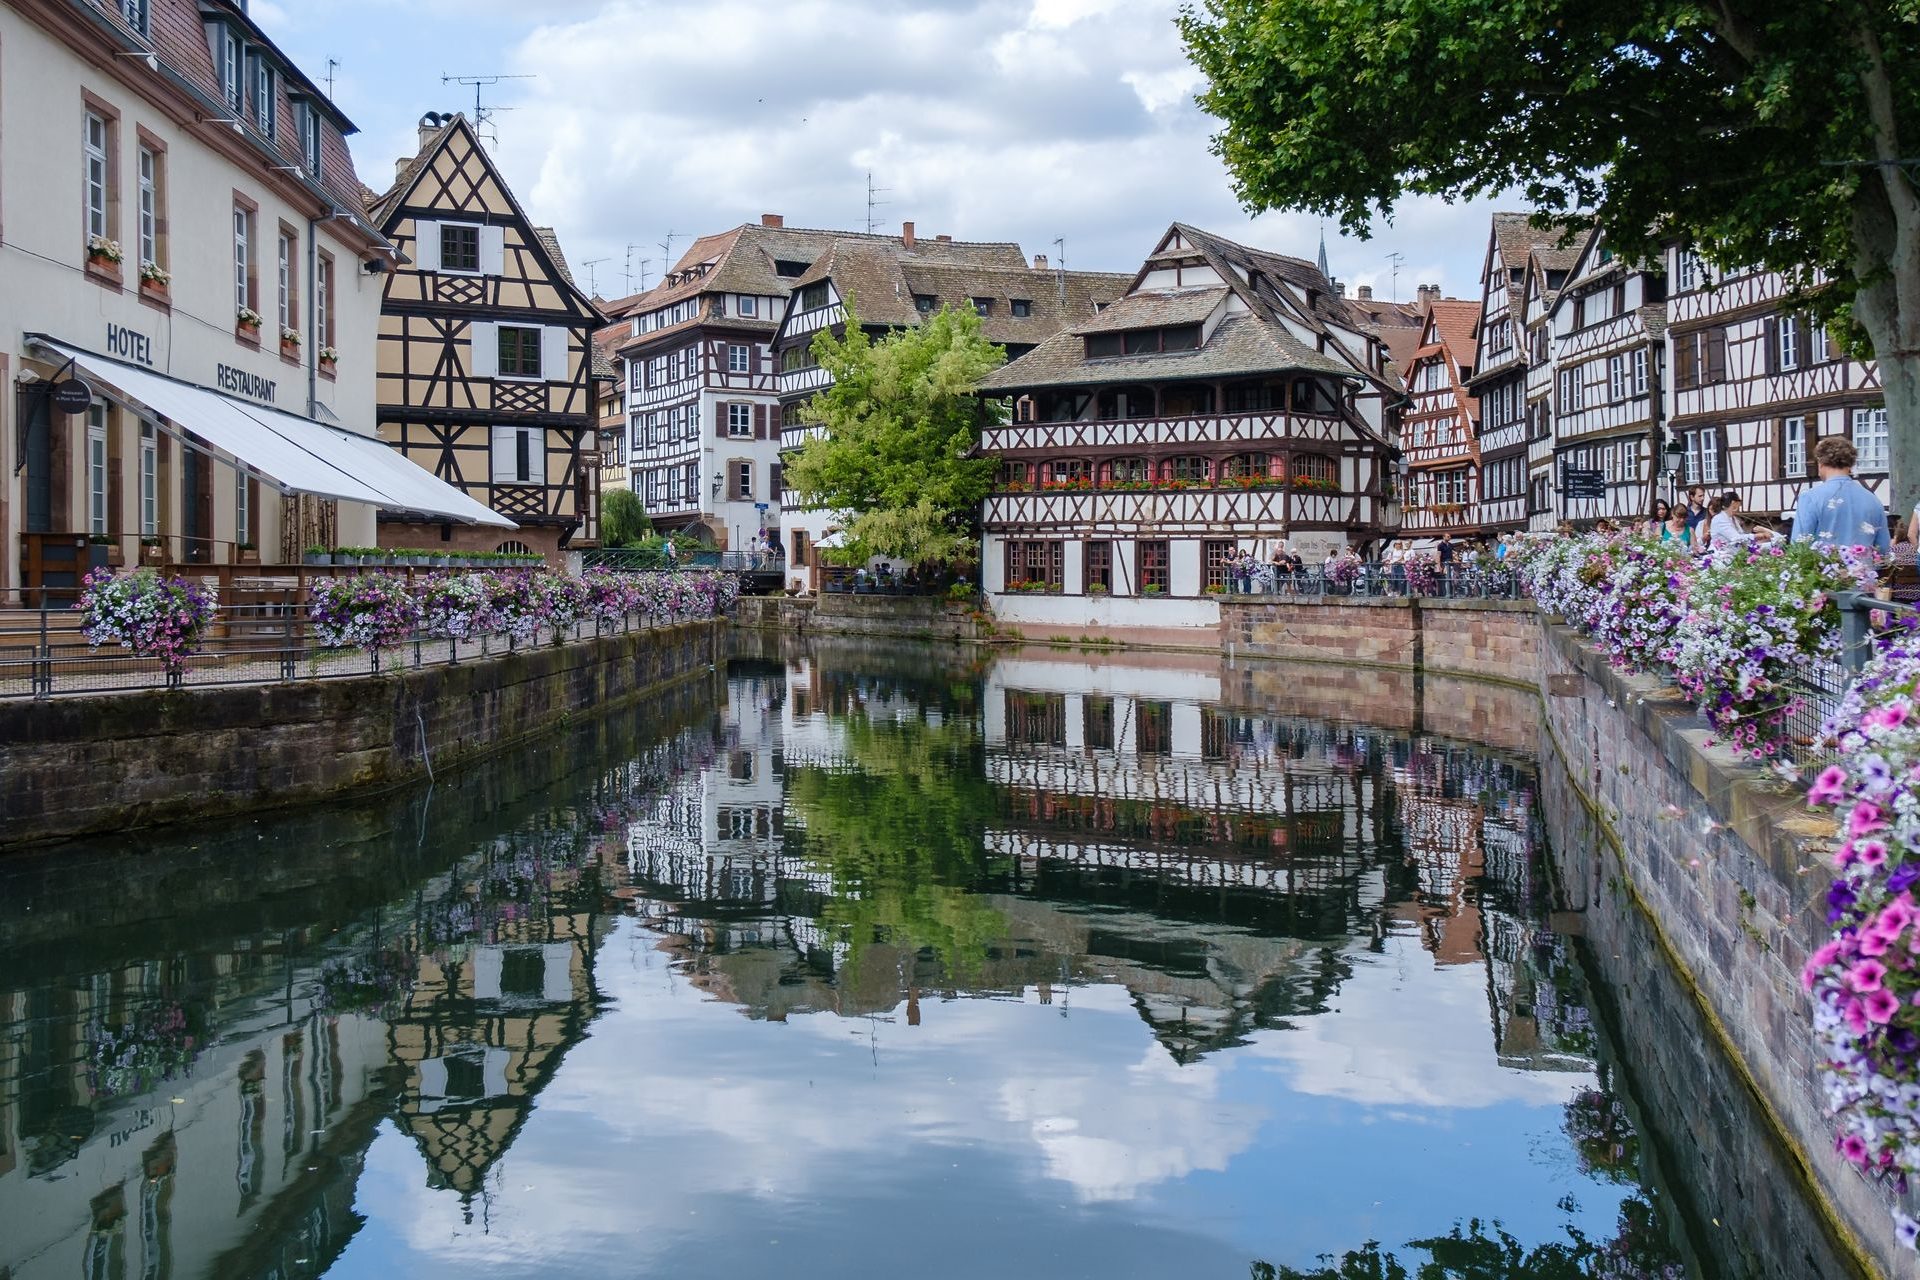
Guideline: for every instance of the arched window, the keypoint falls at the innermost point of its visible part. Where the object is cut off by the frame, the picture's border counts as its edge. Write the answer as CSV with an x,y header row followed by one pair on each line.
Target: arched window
x,y
514,547
1250,466
1065,473
1122,472
1127,403
1315,471
1016,475
1186,469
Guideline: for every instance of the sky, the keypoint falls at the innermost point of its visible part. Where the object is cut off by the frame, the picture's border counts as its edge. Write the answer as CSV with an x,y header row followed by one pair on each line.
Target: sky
x,y
1025,120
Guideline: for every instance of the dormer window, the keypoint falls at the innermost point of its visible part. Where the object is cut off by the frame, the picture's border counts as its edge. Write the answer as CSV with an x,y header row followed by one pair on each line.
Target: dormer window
x,y
263,98
135,12
982,306
748,304
814,296
923,303
1022,307
310,138
230,68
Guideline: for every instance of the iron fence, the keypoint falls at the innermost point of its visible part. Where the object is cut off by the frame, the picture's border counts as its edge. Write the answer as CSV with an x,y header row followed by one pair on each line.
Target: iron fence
x,y
1457,582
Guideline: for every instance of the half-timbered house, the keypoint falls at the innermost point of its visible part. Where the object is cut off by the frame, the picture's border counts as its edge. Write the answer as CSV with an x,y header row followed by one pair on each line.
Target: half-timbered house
x,y
1606,326
610,400
1755,382
186,260
1502,358
1439,427
892,282
1228,401
485,372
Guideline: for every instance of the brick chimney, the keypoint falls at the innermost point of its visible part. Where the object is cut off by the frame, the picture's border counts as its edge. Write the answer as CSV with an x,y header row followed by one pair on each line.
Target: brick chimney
x,y
1365,293
1339,288
1429,292
772,220
1039,262
944,239
906,234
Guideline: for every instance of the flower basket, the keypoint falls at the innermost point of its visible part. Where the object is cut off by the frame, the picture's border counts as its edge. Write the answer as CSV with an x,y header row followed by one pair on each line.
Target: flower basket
x,y
248,553
369,611
147,614
104,254
316,556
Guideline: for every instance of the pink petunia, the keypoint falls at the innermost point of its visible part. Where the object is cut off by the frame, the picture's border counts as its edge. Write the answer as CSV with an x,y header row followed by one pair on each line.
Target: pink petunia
x,y
1881,1005
1829,786
1872,944
1864,817
1866,976
1871,853
1854,1016
1854,1148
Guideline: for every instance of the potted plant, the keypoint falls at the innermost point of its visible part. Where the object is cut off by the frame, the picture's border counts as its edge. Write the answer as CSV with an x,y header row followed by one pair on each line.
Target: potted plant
x,y
1097,588
151,551
346,555
1216,588
246,324
1154,589
154,279
328,359
104,253
249,553
290,343
316,556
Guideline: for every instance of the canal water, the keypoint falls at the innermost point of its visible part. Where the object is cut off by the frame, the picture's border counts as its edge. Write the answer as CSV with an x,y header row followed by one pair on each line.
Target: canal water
x,y
849,962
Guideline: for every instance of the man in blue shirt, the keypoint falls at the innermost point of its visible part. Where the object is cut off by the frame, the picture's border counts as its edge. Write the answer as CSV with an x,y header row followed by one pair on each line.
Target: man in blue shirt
x,y
1840,510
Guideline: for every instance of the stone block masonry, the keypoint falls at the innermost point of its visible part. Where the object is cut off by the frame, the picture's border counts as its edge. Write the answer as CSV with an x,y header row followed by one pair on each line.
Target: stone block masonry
x,y
1487,639
116,762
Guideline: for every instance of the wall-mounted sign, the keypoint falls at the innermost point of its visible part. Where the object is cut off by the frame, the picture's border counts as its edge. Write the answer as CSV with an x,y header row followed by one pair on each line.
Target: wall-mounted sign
x,y
242,383
129,344
72,396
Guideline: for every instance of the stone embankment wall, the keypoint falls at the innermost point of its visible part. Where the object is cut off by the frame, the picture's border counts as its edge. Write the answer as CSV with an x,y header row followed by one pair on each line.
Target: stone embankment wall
x,y
845,614
1489,639
116,762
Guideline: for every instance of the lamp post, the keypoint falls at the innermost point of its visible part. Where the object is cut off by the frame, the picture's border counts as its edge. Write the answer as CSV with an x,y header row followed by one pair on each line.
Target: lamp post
x,y
1674,457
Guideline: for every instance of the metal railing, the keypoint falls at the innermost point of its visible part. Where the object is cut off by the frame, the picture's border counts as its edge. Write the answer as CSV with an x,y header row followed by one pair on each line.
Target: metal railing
x,y
648,559
1457,582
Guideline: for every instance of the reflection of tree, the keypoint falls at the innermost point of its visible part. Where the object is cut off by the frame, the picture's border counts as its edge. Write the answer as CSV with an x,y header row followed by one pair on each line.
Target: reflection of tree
x,y
900,831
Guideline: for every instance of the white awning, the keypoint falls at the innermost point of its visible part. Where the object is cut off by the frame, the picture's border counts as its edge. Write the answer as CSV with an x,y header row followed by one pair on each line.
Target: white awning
x,y
296,454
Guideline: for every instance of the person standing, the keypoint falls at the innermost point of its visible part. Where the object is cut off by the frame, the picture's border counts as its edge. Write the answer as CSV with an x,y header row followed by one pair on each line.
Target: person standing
x,y
1697,514
1658,520
666,549
1728,529
1840,510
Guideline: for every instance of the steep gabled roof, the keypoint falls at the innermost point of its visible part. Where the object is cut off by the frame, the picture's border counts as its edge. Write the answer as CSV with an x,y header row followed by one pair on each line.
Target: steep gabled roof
x,y
1515,237
1454,319
1243,345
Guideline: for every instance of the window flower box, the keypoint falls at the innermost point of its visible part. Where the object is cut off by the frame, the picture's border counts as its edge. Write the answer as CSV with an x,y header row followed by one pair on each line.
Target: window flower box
x,y
290,343
329,358
246,324
105,253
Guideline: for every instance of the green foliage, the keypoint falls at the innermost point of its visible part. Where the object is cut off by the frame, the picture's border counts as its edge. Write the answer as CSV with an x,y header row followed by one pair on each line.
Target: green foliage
x,y
1742,126
623,521
901,422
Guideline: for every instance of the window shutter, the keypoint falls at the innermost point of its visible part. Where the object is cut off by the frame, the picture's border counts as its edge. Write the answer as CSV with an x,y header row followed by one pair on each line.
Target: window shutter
x,y
1685,369
1773,345
504,447
536,454
486,348
553,354
720,420
759,422
493,251
426,245
753,359
1716,355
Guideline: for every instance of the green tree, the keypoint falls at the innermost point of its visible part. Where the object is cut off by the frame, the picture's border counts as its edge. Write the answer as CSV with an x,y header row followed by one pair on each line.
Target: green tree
x,y
901,422
1777,132
623,521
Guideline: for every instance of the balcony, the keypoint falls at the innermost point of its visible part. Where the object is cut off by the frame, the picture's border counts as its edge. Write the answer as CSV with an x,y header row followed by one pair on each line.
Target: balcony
x,y
1255,510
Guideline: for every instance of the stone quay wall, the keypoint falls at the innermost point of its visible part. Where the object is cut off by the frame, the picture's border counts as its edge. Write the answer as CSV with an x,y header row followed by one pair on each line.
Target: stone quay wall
x,y
117,762
845,614
1487,639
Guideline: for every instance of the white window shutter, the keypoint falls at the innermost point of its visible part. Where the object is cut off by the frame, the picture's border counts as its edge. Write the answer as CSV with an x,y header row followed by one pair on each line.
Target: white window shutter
x,y
493,251
426,245
553,353
486,349
503,455
536,454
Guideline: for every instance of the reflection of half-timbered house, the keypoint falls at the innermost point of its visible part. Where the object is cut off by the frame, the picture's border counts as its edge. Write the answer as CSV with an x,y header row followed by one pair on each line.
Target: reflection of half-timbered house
x,y
1607,323
1500,363
1439,428
1229,400
1755,382
485,348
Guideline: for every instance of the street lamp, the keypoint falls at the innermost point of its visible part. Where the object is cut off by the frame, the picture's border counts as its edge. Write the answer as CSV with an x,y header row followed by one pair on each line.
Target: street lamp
x,y
1674,457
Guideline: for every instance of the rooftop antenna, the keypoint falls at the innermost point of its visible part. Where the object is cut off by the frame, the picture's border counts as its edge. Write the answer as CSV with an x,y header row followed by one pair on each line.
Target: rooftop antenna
x,y
644,264
482,115
331,64
593,281
1060,267
1396,259
872,203
666,252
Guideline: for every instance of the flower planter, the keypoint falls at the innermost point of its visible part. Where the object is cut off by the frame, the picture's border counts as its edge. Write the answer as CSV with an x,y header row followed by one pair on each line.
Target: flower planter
x,y
247,333
154,291
327,366
248,555
316,558
290,350
152,554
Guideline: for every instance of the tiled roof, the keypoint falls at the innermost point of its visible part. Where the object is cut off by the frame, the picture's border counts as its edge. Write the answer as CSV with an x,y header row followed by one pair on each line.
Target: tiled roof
x,y
551,243
1557,243
1402,342
1455,318
1242,345
1152,308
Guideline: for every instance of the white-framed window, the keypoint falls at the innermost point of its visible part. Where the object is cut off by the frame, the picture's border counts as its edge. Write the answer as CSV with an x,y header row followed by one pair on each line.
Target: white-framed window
x,y
737,358
310,137
1870,439
1819,345
1640,372
739,419
135,12
741,474
519,455
242,236
287,317
689,422
263,102
323,299
1793,445
97,469
95,145
150,206
242,507
691,473
1616,377
1703,456
748,304
1789,341
1687,271
230,68
149,481
460,247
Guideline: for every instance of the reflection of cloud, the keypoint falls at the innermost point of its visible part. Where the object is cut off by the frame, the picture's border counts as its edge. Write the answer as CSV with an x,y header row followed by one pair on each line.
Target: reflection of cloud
x,y
1420,1043
1112,1138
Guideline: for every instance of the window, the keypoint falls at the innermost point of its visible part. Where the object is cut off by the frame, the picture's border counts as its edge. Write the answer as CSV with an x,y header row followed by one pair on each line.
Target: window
x,y
1099,566
1640,372
1218,557
1022,307
230,68
746,304
519,351
1153,566
737,358
1703,455
1793,447
242,262
149,482
150,207
1034,562
1153,728
519,455
263,104
97,469
740,420
1789,340
1315,466
800,357
459,247
1687,271
1187,467
95,142
323,299
740,481
242,507
310,137
814,296
1870,439
1616,377
1096,718
982,306
690,480
289,313
135,12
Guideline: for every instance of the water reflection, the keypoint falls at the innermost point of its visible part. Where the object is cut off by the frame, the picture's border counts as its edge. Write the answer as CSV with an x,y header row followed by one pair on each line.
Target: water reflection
x,y
1056,969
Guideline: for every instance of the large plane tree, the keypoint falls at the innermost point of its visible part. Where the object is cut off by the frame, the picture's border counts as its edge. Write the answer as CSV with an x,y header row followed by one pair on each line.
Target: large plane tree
x,y
1777,132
